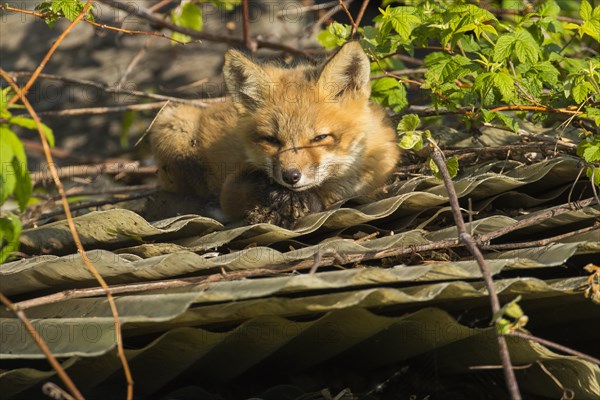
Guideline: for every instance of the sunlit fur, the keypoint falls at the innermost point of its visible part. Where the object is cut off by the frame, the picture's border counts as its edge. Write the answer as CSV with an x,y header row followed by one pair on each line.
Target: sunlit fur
x,y
317,120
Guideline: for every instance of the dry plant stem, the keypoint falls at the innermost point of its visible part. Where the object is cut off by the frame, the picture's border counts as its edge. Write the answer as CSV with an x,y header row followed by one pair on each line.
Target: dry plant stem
x,y
466,238
555,346
43,346
542,242
73,112
143,13
106,89
134,62
246,26
75,234
50,52
536,218
108,168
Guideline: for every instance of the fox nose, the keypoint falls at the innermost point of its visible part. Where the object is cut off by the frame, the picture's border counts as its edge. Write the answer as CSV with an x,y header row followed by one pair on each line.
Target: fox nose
x,y
291,176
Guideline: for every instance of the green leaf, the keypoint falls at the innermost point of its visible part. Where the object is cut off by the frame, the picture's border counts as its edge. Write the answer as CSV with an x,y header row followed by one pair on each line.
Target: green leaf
x,y
384,84
29,123
187,16
504,47
10,230
585,10
591,153
593,172
452,166
14,174
505,85
327,39
580,91
409,122
126,123
508,121
403,20
411,140
526,48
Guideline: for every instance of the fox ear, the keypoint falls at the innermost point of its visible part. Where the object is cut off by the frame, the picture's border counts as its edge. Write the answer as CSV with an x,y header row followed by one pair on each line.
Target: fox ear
x,y
245,81
347,72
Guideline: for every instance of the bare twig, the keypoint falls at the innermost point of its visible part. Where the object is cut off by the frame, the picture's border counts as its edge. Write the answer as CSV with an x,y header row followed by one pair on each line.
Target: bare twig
x,y
53,48
109,168
73,229
466,238
542,242
107,89
555,346
73,112
246,26
94,23
90,204
535,219
134,61
144,13
43,346
341,3
359,17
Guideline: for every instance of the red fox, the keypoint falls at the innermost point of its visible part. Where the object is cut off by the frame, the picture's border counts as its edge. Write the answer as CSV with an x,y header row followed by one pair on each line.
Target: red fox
x,y
288,141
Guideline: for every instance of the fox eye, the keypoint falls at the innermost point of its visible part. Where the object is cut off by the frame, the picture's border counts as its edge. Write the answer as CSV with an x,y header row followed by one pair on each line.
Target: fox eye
x,y
271,140
320,138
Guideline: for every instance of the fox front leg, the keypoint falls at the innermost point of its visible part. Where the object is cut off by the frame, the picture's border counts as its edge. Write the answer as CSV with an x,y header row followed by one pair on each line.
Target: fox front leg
x,y
254,197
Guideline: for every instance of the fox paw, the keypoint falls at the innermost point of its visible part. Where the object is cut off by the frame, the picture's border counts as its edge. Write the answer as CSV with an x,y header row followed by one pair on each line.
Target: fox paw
x,y
284,207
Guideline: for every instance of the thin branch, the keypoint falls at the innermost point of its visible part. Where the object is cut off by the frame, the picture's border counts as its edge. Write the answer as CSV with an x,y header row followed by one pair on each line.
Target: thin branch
x,y
107,89
542,242
134,62
341,3
96,24
144,13
73,229
246,26
535,219
108,168
359,17
43,346
466,238
53,48
555,346
73,112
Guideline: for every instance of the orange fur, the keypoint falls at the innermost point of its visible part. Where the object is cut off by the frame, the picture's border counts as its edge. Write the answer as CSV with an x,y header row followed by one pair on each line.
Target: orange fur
x,y
306,128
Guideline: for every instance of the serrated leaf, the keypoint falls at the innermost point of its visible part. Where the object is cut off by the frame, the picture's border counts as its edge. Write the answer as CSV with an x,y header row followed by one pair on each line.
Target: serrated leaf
x,y
580,91
585,10
29,123
410,141
591,28
403,20
508,121
549,9
505,85
526,48
409,122
591,153
504,47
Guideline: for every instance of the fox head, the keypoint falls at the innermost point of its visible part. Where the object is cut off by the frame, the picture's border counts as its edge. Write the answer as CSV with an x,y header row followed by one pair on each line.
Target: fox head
x,y
302,125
